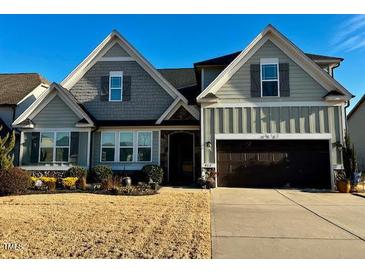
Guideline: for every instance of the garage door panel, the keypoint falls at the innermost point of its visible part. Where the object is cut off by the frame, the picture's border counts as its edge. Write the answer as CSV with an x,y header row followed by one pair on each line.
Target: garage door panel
x,y
273,163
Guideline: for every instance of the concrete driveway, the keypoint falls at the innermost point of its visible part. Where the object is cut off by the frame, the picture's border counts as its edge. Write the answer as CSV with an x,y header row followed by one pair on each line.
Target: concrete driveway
x,y
269,223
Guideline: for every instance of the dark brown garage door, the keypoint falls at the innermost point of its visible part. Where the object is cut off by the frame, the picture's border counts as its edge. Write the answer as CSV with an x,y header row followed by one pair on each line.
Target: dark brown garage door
x,y
298,164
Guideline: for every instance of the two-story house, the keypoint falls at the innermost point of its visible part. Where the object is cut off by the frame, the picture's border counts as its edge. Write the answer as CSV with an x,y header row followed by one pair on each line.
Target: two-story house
x,y
269,115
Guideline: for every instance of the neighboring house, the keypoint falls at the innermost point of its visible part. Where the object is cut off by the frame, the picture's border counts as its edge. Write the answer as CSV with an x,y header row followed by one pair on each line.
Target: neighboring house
x,y
264,116
356,127
17,92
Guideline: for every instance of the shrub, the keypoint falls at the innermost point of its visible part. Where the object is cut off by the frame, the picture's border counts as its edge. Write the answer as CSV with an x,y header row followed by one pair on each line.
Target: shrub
x,y
153,172
100,174
50,182
69,182
81,183
76,171
7,145
14,181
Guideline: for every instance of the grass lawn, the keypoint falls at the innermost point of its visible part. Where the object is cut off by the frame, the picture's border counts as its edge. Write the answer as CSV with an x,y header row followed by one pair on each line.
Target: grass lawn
x,y
172,224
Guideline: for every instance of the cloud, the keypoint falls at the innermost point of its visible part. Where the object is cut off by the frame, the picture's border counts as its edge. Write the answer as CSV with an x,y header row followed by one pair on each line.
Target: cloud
x,y
350,34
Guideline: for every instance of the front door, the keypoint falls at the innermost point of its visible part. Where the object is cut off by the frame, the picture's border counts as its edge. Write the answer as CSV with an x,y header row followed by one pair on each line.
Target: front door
x,y
181,158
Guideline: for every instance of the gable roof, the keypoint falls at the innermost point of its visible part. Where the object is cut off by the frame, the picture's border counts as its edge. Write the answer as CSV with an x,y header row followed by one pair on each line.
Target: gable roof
x,y
45,98
113,38
15,86
179,77
225,60
298,56
356,107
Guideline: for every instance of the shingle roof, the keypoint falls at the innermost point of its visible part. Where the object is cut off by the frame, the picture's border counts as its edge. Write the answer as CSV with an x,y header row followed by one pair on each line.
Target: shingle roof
x,y
225,60
15,86
179,77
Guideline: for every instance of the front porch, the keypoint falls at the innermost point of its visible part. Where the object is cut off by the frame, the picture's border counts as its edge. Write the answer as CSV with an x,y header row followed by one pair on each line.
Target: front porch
x,y
54,149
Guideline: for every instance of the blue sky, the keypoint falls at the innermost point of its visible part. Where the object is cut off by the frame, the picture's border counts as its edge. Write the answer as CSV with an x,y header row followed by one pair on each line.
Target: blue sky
x,y
54,44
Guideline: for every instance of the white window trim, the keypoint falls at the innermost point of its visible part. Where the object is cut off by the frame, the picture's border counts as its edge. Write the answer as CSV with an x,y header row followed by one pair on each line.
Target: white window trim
x,y
133,148
269,61
54,147
138,146
117,146
116,74
101,146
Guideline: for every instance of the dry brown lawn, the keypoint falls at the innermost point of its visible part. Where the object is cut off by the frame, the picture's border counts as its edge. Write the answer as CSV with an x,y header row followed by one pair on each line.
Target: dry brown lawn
x,y
172,224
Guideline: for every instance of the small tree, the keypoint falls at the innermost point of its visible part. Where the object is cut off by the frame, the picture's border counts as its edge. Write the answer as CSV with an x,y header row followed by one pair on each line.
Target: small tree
x,y
349,158
7,145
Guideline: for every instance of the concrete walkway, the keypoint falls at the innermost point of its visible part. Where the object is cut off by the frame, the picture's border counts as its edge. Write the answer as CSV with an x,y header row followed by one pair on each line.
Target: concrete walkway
x,y
267,223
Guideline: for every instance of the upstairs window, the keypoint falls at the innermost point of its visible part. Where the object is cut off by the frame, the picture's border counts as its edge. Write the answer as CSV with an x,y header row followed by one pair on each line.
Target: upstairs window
x,y
115,86
270,77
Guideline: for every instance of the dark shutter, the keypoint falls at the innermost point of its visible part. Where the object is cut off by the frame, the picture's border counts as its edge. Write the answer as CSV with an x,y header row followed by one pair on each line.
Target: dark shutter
x,y
255,80
74,148
284,80
34,150
127,81
104,95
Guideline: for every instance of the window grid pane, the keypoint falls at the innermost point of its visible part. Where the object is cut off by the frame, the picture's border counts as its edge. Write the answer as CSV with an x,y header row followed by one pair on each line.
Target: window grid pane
x,y
115,94
47,139
115,82
144,139
144,152
270,88
269,72
108,139
126,139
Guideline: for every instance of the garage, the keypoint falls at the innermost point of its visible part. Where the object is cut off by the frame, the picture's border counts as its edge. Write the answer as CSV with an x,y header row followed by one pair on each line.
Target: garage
x,y
273,163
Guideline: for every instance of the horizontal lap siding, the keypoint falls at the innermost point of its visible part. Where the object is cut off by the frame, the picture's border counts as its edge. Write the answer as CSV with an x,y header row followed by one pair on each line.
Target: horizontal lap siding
x,y
56,114
284,120
302,85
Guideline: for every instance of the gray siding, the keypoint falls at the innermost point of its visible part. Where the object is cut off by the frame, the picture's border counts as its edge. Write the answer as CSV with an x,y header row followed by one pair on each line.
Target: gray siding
x,y
210,73
283,120
302,85
148,99
356,126
96,147
56,114
116,51
6,114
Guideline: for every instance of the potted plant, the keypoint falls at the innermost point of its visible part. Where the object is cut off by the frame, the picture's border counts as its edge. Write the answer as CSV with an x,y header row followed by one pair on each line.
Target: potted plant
x,y
346,178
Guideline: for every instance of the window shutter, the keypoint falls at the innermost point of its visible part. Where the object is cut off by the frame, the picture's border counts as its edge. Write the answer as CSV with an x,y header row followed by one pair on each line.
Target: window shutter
x,y
127,81
284,80
104,95
255,80
34,150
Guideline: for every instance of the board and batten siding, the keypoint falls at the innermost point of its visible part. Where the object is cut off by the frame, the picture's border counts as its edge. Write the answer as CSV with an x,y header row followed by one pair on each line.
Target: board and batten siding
x,y
284,120
56,114
302,86
96,149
